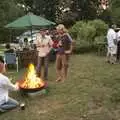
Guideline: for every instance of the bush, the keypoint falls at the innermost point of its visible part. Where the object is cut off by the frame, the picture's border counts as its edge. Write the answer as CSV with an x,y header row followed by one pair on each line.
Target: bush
x,y
88,34
100,26
75,29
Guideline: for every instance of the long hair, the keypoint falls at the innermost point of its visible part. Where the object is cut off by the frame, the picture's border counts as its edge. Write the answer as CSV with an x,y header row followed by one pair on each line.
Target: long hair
x,y
62,27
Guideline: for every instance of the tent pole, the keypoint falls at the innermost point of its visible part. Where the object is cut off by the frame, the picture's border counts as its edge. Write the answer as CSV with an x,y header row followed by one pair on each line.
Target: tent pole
x,y
31,34
10,36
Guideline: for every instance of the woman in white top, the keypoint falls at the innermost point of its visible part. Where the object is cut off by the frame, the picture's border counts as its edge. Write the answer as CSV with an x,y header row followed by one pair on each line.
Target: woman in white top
x,y
6,103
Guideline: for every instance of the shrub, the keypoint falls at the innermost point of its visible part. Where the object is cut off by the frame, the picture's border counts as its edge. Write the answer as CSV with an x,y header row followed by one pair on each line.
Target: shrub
x,y
88,34
100,26
75,29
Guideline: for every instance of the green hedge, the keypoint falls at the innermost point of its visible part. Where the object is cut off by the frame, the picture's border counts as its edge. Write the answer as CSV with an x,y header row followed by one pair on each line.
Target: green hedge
x,y
88,35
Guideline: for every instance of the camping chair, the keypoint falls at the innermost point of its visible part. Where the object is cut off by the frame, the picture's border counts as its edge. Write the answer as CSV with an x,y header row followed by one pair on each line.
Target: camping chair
x,y
11,59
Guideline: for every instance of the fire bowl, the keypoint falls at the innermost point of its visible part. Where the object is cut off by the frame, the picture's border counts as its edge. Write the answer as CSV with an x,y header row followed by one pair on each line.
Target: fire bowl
x,y
32,90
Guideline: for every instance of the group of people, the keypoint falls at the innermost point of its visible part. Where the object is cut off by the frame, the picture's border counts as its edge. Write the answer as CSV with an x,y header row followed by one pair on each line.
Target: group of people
x,y
63,49
25,44
43,44
63,45
113,41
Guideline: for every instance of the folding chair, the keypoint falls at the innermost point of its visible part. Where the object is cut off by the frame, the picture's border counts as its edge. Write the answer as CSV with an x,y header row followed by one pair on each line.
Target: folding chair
x,y
11,59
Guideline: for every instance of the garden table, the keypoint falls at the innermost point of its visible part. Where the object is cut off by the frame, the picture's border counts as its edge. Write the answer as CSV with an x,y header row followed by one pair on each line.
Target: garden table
x,y
26,57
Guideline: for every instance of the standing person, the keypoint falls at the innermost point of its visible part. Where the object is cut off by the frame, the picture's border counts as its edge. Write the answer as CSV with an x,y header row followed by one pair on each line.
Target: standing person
x,y
112,45
21,44
43,44
63,52
31,44
6,103
26,44
9,49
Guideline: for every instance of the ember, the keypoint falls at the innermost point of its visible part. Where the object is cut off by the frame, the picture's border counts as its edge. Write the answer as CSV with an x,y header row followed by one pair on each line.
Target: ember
x,y
31,81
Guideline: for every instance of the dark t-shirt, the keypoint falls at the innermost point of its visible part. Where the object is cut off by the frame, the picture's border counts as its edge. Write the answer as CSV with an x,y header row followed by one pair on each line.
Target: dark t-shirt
x,y
65,44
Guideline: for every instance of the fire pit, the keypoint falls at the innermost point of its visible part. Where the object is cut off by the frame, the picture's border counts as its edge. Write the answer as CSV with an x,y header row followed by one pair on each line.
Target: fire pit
x,y
31,83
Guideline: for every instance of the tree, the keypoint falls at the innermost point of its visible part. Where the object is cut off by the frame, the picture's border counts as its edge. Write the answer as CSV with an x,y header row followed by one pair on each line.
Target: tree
x,y
115,8
77,10
63,10
45,8
9,11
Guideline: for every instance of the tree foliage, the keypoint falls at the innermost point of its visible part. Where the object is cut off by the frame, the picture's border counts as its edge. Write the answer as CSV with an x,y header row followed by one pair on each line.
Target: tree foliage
x,y
87,34
45,8
115,8
60,11
9,11
63,10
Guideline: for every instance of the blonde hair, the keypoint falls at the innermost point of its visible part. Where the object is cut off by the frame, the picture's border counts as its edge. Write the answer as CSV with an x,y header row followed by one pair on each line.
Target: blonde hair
x,y
61,27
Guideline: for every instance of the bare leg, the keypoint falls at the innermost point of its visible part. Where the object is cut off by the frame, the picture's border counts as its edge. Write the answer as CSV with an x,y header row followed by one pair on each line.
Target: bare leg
x,y
108,56
58,67
46,68
64,67
42,72
59,75
39,66
113,59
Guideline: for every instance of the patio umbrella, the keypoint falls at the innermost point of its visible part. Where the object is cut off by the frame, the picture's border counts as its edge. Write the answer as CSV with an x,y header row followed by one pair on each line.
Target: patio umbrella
x,y
30,21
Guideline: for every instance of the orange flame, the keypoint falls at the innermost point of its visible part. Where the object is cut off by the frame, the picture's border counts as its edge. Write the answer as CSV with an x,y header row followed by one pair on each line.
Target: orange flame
x,y
31,80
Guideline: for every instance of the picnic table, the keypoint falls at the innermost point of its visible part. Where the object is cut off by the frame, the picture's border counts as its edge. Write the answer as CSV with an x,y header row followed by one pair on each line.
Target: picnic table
x,y
26,57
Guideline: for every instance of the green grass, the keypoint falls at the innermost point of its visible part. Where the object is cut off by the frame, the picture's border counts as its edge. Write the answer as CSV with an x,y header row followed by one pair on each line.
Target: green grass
x,y
91,92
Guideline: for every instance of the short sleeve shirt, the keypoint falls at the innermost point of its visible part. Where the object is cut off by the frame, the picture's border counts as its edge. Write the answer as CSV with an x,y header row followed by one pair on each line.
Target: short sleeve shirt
x,y
43,44
111,36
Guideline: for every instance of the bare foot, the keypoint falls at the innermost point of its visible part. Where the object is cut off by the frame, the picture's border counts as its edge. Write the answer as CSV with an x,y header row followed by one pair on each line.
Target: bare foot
x,y
58,79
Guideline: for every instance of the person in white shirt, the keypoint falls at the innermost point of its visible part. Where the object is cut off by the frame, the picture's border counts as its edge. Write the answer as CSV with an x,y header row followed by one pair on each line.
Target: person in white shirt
x,y
112,45
6,102
43,44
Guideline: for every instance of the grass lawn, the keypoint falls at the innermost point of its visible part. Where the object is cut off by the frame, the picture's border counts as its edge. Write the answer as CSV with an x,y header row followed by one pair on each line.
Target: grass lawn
x,y
92,92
